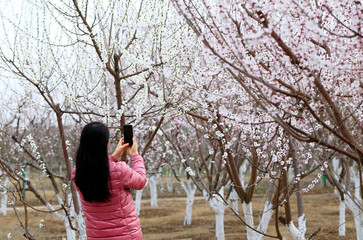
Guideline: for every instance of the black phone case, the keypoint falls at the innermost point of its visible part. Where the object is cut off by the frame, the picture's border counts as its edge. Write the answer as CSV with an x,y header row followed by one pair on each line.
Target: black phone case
x,y
128,134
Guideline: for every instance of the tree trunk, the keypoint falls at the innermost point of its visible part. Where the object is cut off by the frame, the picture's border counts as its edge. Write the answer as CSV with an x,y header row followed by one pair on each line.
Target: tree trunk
x,y
247,211
342,217
169,182
358,216
71,234
297,234
4,196
355,206
81,227
75,217
265,219
234,200
337,169
294,232
220,225
190,191
138,196
218,206
153,191
353,200
158,177
68,163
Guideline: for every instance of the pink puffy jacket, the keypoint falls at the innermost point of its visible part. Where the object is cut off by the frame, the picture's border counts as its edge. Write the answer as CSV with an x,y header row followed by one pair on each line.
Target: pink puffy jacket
x,y
116,219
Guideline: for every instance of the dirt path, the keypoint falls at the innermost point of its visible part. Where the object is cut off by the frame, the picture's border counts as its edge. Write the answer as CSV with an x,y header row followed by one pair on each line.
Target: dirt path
x,y
143,201
166,221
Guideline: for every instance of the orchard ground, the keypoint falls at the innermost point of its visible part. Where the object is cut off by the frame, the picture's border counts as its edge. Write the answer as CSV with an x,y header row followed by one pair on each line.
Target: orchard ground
x,y
166,221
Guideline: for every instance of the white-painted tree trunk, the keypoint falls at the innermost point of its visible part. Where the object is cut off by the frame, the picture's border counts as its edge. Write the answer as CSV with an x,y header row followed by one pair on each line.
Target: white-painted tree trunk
x,y
81,227
138,196
297,233
234,200
80,221
342,203
158,177
335,163
265,219
234,196
337,169
220,226
4,196
27,172
189,209
190,191
358,216
71,234
75,217
353,201
153,191
355,206
342,218
302,225
217,204
247,211
169,182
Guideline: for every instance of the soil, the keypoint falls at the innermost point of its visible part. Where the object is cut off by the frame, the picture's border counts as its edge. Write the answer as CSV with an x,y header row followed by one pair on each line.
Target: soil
x,y
166,220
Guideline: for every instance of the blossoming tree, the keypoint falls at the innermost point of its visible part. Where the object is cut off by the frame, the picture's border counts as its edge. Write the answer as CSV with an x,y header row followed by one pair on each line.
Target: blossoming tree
x,y
299,62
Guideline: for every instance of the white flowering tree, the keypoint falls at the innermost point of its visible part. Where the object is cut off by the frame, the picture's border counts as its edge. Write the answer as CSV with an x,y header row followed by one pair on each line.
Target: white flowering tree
x,y
31,144
88,61
31,54
135,46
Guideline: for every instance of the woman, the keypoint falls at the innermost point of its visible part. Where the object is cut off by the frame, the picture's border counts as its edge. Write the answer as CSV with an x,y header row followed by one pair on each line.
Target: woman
x,y
104,185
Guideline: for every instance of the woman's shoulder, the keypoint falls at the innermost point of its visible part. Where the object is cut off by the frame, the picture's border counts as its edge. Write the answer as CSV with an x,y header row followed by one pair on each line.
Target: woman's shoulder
x,y
116,166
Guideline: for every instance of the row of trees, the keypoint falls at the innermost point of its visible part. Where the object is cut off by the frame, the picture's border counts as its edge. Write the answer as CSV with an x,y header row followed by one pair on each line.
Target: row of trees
x,y
221,89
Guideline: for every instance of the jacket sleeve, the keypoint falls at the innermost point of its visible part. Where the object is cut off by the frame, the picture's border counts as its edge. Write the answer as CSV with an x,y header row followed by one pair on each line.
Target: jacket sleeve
x,y
134,177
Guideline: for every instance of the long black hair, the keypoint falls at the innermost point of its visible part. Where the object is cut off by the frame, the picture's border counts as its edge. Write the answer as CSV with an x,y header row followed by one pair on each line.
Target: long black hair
x,y
92,170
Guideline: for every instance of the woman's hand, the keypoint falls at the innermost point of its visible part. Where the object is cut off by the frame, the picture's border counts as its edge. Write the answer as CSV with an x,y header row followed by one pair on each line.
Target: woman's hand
x,y
133,150
120,149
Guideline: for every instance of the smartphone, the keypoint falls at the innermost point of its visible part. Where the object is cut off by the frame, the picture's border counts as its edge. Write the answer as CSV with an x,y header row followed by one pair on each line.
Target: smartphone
x,y
128,134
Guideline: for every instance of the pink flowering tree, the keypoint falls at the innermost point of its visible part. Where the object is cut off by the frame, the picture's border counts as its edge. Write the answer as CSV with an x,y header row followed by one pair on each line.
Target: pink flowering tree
x,y
216,143
297,61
